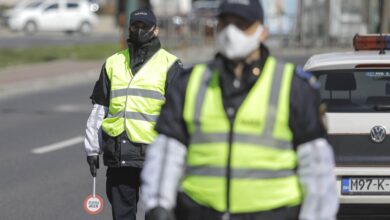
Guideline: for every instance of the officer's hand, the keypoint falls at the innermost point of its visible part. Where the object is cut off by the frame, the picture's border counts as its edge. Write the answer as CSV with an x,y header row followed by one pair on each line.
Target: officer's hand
x,y
159,213
93,162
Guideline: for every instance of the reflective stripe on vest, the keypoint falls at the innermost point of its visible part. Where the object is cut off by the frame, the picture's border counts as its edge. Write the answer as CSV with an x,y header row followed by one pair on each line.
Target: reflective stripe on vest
x,y
263,163
137,92
135,116
136,99
237,173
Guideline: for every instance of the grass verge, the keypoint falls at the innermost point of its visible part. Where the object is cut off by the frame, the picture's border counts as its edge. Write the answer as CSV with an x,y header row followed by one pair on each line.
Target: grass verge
x,y
20,56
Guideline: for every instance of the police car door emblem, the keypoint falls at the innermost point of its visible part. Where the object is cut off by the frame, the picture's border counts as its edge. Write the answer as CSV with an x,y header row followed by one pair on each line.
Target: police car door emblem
x,y
378,134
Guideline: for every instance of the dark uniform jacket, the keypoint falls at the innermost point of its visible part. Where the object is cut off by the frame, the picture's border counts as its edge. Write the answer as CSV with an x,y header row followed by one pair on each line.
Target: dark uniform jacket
x,y
304,121
120,151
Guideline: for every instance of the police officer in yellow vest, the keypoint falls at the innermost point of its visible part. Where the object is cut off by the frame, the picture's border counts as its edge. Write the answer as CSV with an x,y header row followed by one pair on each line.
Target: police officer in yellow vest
x,y
241,137
127,99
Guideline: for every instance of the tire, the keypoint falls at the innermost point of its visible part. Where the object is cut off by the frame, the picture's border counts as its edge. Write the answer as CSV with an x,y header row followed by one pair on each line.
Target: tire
x,y
30,28
69,33
85,28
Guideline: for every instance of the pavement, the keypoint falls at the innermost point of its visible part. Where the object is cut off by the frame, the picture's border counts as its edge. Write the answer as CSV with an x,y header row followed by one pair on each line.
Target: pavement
x,y
46,76
42,160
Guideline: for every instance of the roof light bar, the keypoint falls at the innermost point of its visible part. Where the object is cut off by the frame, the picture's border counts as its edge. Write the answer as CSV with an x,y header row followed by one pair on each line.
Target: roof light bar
x,y
371,42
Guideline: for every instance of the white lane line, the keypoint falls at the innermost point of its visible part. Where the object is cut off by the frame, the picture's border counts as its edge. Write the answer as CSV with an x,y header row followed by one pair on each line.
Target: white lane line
x,y
58,145
69,108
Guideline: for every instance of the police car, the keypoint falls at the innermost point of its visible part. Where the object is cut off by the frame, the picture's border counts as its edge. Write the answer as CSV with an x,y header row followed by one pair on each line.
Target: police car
x,y
355,87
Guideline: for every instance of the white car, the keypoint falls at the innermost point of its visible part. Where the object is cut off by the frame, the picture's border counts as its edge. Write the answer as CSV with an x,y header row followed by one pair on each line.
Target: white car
x,y
355,86
18,7
53,15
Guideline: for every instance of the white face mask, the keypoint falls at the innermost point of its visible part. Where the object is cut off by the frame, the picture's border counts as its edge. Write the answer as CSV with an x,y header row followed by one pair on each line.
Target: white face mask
x,y
235,44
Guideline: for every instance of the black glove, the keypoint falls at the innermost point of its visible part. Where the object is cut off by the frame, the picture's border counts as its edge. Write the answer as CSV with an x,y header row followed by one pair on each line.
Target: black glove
x,y
93,162
159,213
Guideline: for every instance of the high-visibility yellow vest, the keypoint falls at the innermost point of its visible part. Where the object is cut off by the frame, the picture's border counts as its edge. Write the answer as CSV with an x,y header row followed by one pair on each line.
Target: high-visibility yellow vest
x,y
136,99
247,166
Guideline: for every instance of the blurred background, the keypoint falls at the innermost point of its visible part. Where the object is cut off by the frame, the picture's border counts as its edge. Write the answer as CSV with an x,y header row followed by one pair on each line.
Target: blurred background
x,y
185,23
51,52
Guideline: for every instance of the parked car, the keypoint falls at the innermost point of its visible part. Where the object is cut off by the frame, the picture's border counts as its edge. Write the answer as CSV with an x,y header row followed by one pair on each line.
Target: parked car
x,y
6,14
94,5
50,15
355,87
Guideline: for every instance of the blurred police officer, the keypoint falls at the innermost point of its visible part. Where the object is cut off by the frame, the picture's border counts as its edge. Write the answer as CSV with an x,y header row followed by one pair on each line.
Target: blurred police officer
x,y
127,100
242,136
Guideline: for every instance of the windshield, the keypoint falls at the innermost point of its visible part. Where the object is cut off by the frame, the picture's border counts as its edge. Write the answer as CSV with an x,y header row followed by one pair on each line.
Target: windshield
x,y
355,90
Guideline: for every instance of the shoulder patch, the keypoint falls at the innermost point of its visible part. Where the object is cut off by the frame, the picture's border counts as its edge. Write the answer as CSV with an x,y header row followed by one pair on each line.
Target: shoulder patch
x,y
307,76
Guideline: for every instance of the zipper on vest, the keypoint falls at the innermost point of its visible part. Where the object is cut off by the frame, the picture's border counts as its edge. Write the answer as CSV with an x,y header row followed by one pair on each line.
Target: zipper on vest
x,y
128,70
127,98
231,114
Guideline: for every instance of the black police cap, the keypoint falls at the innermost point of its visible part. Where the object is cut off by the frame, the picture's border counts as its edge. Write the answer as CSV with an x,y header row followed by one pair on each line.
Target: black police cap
x,y
250,10
144,15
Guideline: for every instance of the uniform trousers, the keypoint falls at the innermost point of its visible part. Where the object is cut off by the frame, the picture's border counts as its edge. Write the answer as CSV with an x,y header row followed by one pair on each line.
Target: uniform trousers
x,y
122,189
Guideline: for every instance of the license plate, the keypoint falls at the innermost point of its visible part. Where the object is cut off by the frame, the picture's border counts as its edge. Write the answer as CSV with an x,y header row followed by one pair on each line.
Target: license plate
x,y
365,186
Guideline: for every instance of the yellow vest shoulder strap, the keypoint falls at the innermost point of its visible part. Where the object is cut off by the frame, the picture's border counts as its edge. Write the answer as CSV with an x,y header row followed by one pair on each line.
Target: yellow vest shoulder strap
x,y
120,57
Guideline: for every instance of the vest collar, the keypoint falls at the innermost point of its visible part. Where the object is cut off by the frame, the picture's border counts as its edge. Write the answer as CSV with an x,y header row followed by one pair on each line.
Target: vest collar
x,y
225,68
222,63
152,46
141,55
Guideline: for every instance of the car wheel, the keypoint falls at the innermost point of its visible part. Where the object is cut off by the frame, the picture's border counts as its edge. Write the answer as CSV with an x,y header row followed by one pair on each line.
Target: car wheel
x,y
30,28
69,33
85,28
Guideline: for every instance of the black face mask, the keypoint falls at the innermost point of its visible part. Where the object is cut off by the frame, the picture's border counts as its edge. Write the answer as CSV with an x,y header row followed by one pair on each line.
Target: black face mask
x,y
141,36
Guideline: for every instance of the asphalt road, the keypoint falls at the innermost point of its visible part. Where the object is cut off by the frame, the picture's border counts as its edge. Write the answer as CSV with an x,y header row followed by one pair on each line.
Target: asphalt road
x,y
53,184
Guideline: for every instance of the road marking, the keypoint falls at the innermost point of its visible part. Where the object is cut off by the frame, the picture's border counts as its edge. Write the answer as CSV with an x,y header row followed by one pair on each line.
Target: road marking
x,y
58,145
70,108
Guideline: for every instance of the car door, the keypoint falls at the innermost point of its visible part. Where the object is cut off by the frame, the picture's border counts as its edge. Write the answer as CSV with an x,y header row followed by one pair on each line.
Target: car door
x,y
72,15
50,18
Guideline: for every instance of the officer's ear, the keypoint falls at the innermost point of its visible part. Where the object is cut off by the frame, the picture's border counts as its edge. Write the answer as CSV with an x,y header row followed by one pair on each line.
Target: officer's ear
x,y
156,31
264,34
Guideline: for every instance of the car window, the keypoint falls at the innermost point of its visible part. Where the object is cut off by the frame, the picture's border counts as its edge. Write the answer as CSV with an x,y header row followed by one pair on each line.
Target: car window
x,y
355,91
51,7
72,5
